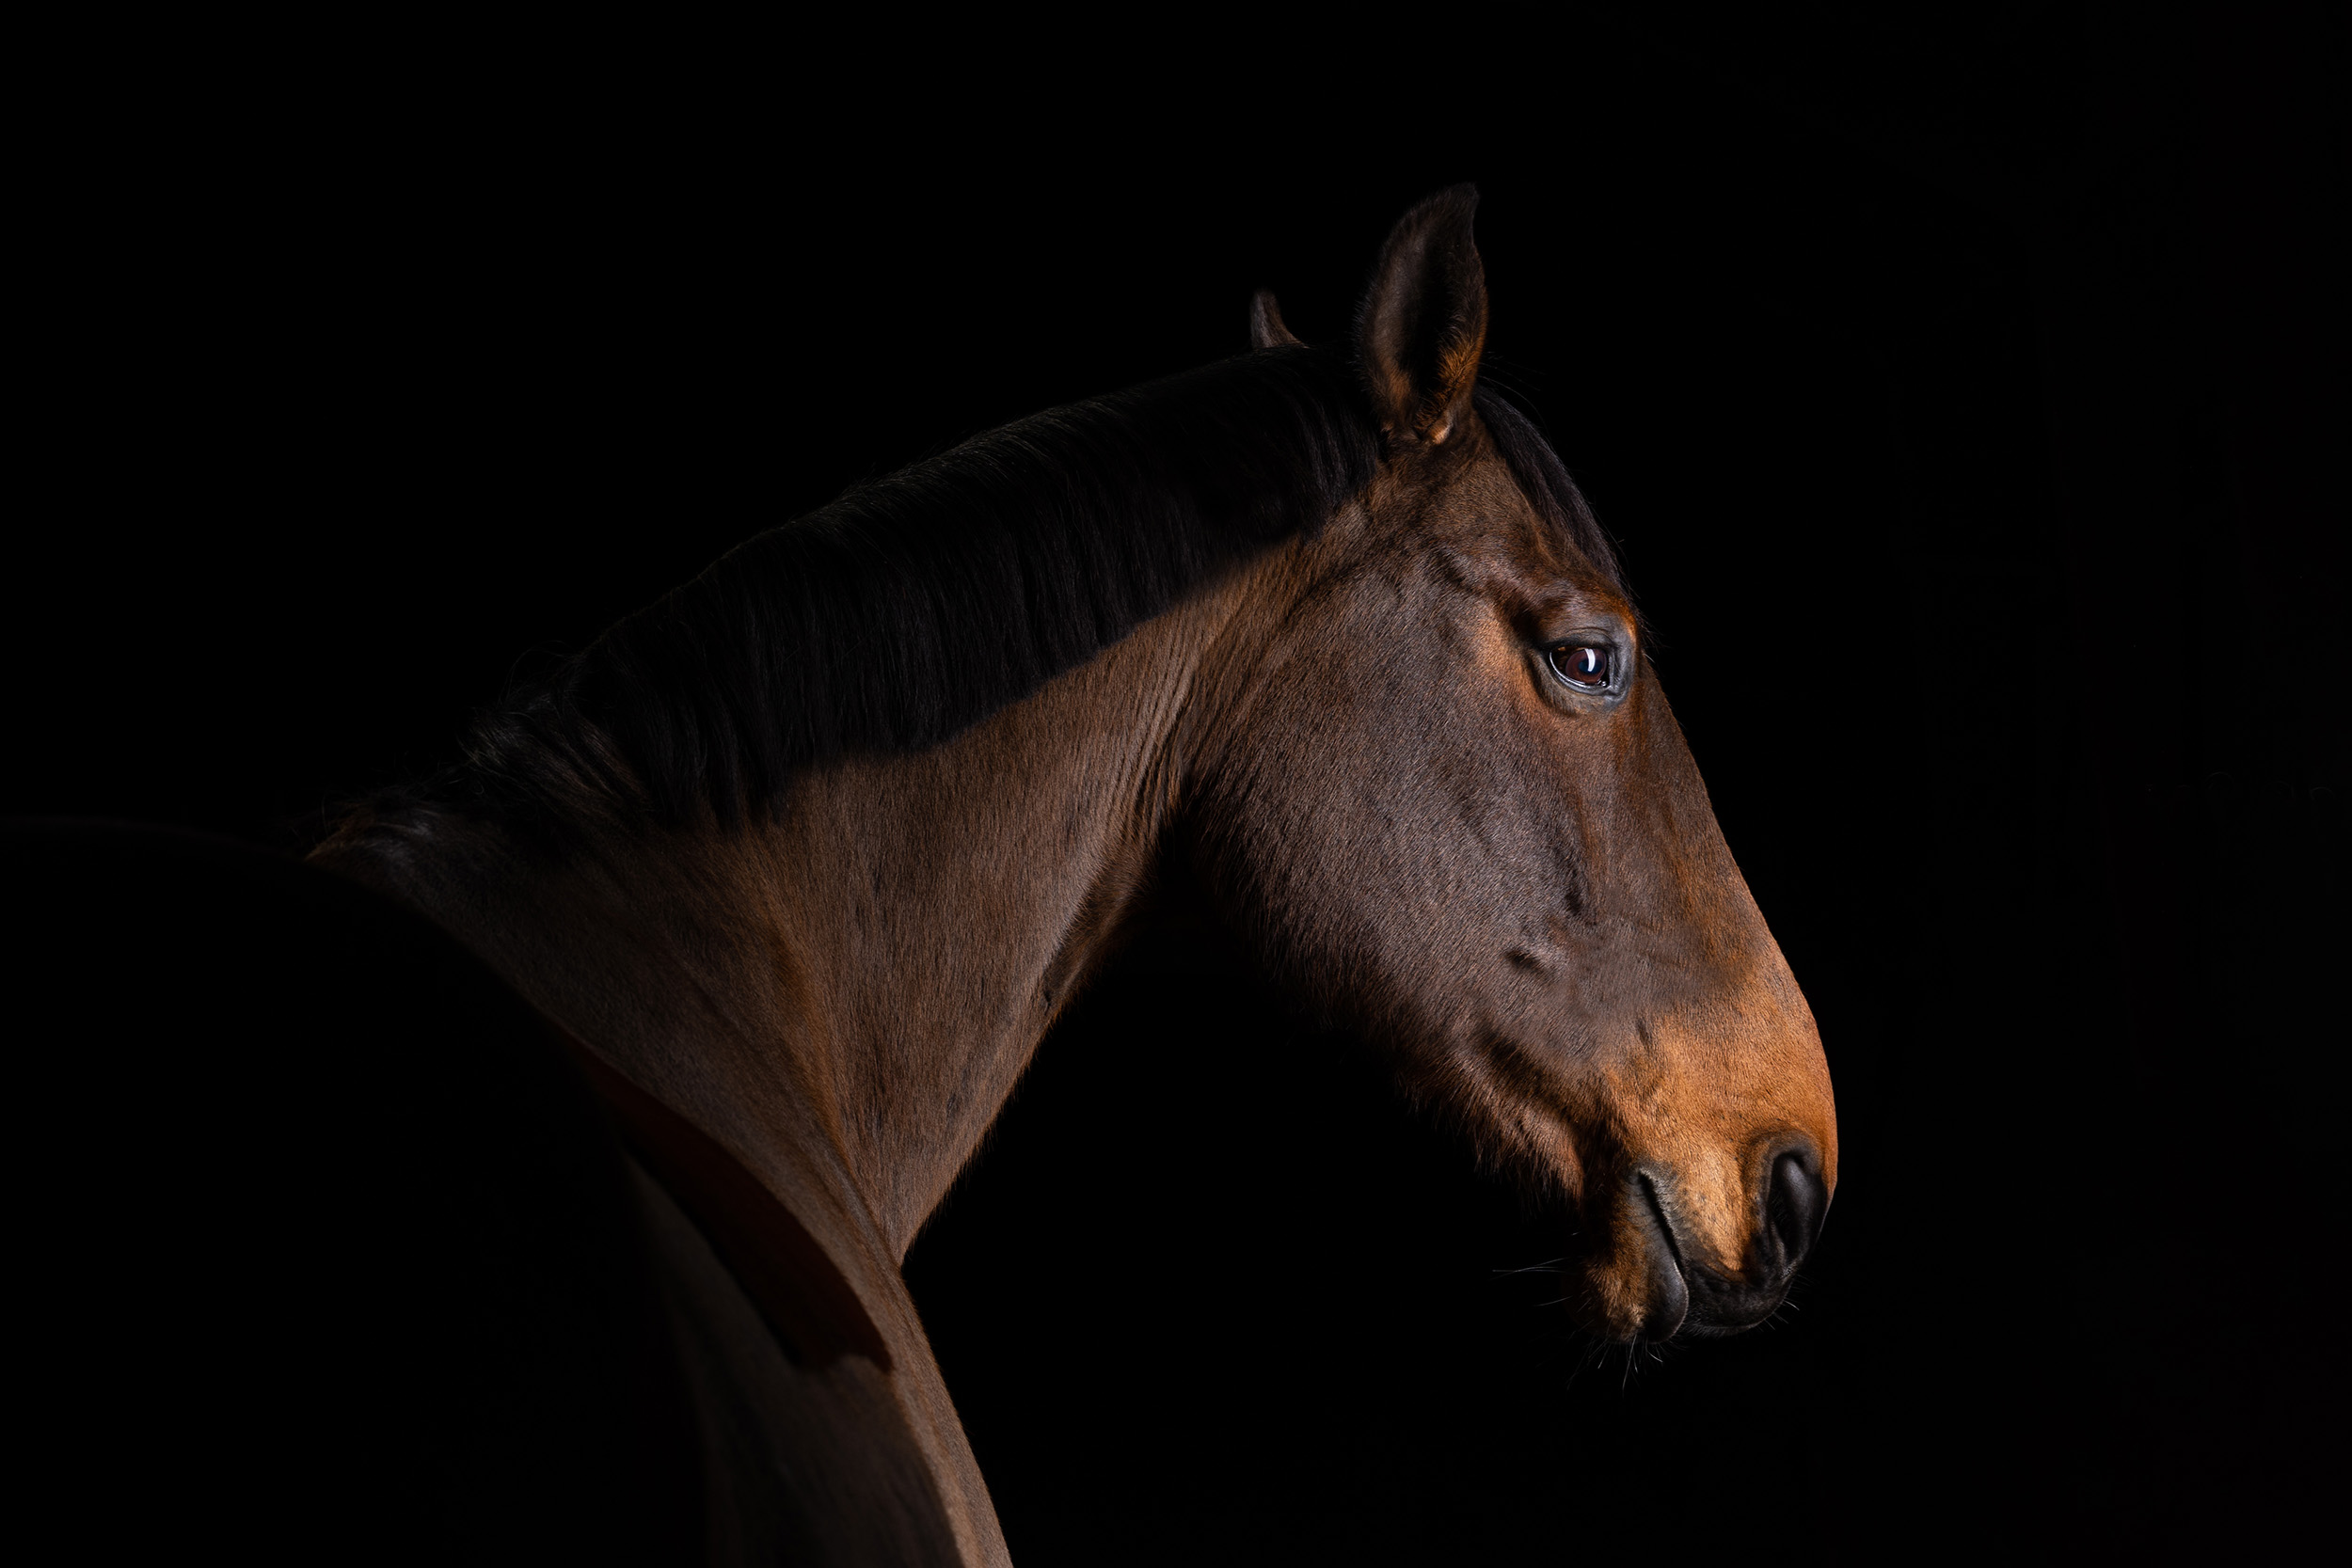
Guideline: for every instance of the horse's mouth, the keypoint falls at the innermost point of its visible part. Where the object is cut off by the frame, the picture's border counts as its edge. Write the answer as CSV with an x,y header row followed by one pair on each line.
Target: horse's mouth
x,y
1669,1284
1697,1300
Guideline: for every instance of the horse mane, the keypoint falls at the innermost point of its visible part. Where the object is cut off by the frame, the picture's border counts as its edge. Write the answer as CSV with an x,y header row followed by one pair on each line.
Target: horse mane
x,y
917,605
1544,480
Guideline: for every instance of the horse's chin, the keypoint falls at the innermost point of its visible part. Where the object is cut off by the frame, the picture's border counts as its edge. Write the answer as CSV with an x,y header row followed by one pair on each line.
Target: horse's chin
x,y
1635,1296
1661,1310
1669,1309
1637,1292
1646,1293
1664,1274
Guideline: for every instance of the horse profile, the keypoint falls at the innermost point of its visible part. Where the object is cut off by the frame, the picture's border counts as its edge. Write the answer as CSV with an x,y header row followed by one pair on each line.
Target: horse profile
x,y
805,860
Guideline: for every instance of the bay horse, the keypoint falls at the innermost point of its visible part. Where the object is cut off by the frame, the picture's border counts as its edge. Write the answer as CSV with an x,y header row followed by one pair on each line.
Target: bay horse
x,y
802,862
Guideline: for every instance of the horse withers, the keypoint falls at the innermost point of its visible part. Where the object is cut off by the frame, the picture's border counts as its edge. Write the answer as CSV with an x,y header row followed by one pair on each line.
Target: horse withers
x,y
802,862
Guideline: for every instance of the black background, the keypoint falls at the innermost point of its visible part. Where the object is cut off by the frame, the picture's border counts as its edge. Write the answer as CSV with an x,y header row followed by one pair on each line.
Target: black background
x,y
1963,388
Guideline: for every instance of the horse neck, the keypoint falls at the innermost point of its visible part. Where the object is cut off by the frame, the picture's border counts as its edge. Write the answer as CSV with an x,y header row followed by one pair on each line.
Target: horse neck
x,y
847,992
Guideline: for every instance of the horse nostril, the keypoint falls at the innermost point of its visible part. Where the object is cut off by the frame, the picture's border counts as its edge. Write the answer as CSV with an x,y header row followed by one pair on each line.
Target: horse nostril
x,y
1794,1207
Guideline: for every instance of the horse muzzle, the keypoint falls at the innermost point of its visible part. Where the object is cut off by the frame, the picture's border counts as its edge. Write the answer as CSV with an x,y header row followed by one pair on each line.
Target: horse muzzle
x,y
1669,1275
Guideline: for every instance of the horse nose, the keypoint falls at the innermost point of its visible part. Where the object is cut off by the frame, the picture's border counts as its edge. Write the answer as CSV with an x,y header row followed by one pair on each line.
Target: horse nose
x,y
1682,1280
1794,1205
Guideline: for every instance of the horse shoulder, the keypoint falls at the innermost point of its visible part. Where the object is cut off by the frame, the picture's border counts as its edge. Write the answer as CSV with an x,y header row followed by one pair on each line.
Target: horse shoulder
x,y
808,1458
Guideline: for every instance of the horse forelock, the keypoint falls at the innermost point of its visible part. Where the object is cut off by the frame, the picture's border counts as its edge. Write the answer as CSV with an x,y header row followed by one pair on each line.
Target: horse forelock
x,y
1544,479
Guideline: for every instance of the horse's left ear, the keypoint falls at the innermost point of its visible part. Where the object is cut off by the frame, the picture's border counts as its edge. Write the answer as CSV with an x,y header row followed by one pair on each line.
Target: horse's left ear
x,y
1265,323
1424,325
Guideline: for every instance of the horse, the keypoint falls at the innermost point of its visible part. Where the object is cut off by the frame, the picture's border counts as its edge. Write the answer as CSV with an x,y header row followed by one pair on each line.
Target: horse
x,y
796,867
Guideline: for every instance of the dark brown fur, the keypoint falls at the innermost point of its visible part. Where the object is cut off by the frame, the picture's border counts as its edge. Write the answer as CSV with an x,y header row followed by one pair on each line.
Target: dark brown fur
x,y
1518,889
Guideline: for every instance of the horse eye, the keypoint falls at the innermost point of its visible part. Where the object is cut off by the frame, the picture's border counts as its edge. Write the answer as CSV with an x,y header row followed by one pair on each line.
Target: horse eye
x,y
1583,665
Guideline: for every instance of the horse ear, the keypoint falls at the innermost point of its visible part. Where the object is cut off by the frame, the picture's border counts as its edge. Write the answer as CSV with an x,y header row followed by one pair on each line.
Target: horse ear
x,y
1266,322
1424,325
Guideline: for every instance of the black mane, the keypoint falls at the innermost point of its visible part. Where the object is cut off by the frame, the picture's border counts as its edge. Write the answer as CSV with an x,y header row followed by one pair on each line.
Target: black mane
x,y
914,606
1544,480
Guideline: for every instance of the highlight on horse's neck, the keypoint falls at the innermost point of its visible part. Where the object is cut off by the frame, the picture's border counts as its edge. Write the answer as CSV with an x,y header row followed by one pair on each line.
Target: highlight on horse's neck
x,y
867,989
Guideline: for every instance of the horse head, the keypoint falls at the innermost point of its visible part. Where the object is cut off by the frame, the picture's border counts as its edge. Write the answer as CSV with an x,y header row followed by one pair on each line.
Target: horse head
x,y
1439,787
